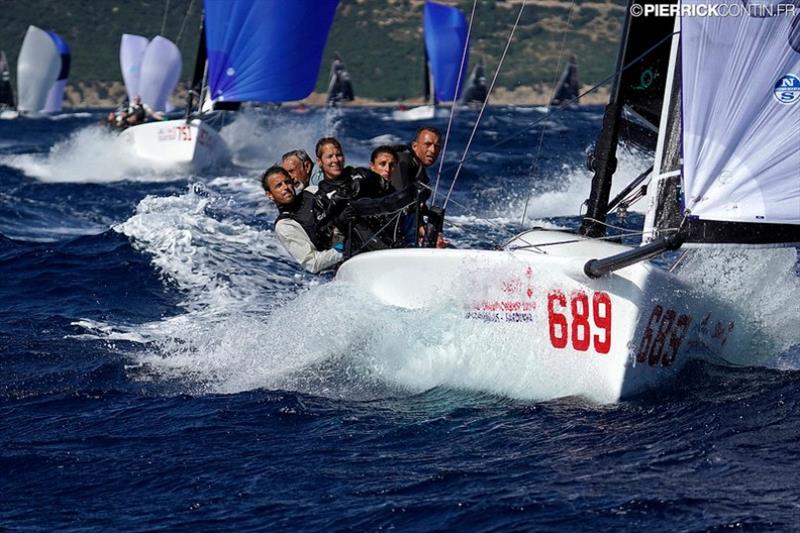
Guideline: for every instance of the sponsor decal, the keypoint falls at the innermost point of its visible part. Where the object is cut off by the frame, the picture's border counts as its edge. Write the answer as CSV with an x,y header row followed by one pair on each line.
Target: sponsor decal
x,y
515,305
787,89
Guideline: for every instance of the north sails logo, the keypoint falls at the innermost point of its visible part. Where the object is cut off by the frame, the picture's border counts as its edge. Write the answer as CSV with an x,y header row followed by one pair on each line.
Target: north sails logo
x,y
787,89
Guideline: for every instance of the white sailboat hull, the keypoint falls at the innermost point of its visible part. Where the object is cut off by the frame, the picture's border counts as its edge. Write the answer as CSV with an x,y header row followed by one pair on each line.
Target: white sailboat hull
x,y
176,143
425,112
604,339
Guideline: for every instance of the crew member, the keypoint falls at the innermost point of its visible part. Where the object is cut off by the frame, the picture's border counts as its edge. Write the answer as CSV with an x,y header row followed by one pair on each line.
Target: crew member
x,y
301,226
412,162
299,166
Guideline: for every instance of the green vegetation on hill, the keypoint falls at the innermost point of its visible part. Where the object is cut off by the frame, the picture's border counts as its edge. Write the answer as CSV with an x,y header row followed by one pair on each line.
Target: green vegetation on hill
x,y
380,40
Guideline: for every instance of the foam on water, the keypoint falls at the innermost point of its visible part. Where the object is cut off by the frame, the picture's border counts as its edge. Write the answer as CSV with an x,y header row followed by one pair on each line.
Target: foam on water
x,y
89,155
747,280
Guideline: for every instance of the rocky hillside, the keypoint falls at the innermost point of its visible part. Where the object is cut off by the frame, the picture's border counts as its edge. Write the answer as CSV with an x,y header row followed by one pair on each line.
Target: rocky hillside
x,y
380,41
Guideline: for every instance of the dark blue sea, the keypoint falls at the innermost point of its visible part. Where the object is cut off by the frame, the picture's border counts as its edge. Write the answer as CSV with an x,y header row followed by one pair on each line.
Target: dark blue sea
x,y
164,365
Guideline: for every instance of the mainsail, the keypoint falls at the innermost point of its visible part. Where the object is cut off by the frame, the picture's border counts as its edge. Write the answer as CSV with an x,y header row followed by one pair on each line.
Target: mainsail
x,y
160,71
55,96
38,67
131,52
736,102
445,45
267,51
6,91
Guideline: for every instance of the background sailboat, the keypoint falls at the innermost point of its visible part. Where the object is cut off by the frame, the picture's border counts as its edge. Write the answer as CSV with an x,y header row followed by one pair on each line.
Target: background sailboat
x,y
476,91
267,51
6,90
39,66
445,37
150,69
340,89
568,84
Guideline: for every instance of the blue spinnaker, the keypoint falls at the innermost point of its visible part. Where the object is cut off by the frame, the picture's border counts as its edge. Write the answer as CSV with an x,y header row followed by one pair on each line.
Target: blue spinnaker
x,y
445,40
265,50
63,49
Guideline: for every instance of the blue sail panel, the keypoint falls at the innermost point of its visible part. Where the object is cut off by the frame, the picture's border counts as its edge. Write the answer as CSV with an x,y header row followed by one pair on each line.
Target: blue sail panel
x,y
265,50
445,41
63,50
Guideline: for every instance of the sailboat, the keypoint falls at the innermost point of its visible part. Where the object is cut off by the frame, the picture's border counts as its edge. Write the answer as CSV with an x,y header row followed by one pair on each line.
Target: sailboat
x,y
568,84
6,90
150,69
445,36
476,92
42,70
340,89
601,321
266,51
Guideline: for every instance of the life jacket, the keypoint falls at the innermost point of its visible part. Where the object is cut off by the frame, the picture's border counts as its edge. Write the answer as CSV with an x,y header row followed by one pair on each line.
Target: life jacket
x,y
305,212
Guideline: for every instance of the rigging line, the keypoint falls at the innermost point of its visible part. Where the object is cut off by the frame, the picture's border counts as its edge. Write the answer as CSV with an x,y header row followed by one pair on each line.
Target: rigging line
x,y
489,221
164,20
555,91
483,107
569,102
183,22
453,107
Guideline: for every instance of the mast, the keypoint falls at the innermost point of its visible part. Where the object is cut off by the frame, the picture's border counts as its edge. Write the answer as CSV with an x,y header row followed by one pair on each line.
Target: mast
x,y
605,152
426,74
197,85
636,98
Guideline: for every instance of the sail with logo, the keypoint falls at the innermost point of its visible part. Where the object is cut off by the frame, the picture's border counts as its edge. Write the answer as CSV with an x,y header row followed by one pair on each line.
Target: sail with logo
x,y
445,39
733,175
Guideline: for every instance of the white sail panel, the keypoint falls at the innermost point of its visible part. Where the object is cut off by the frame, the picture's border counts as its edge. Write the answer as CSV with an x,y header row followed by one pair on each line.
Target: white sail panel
x,y
741,118
131,52
161,69
38,66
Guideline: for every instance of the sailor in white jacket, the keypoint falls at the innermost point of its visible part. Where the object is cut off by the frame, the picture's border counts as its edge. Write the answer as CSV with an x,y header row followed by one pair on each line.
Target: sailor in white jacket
x,y
297,225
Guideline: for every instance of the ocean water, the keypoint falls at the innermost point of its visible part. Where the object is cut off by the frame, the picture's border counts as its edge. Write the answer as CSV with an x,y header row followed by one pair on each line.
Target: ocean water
x,y
164,365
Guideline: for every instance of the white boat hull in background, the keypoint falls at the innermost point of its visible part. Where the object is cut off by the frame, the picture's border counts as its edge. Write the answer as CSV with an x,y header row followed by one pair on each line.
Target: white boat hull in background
x,y
603,339
426,112
176,143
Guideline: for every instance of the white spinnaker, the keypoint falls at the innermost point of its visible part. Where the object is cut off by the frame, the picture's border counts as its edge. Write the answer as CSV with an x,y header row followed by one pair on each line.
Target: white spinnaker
x,y
741,145
131,52
161,69
38,66
55,97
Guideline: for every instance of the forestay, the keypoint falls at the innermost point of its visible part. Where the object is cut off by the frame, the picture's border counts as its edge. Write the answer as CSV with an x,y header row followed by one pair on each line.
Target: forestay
x,y
741,119
55,96
38,66
445,43
131,52
267,51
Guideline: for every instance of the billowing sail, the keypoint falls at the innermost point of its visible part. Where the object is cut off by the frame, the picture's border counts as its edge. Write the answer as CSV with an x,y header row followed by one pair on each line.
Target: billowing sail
x,y
55,96
38,66
445,41
741,118
131,52
160,71
265,51
6,91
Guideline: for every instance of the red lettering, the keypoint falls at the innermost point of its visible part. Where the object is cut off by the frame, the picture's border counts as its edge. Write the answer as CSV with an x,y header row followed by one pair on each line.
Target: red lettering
x,y
580,321
601,311
557,322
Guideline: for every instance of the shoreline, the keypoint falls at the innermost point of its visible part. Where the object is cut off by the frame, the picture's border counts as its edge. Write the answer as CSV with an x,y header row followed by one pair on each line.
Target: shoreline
x,y
99,94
